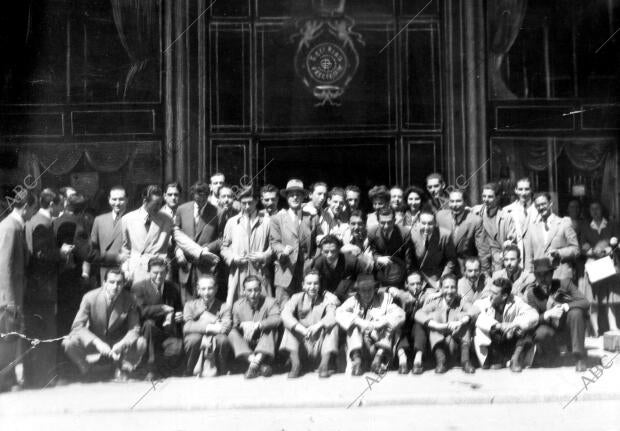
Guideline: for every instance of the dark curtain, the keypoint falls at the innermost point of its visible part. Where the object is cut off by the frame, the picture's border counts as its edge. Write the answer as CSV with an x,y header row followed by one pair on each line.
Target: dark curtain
x,y
137,22
504,21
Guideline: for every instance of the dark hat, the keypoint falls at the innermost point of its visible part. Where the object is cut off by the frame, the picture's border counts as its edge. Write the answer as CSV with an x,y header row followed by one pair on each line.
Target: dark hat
x,y
543,265
379,192
293,185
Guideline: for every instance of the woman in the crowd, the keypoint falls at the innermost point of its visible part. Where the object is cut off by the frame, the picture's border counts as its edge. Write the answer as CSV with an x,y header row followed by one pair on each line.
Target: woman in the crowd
x,y
599,238
416,201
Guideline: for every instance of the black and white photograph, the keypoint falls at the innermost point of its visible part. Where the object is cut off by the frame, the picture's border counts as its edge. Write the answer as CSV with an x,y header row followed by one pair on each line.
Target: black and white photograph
x,y
299,215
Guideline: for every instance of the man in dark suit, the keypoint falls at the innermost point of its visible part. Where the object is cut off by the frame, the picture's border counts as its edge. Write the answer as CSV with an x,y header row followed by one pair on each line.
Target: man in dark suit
x,y
467,232
13,262
338,271
107,329
292,234
436,187
563,311
390,248
41,293
72,228
159,305
106,237
433,253
196,234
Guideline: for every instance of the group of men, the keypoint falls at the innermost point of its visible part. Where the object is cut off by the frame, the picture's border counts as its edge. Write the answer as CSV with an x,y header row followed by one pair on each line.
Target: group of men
x,y
213,284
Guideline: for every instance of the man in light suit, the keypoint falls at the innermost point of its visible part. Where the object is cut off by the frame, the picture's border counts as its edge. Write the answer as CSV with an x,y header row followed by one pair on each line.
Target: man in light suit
x,y
105,237
498,226
196,229
14,258
41,295
432,251
107,329
146,232
292,236
466,228
549,236
522,211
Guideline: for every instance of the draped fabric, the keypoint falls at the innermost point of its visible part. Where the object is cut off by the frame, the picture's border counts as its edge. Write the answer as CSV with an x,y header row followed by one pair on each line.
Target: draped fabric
x,y
108,158
505,20
535,156
135,20
59,161
587,156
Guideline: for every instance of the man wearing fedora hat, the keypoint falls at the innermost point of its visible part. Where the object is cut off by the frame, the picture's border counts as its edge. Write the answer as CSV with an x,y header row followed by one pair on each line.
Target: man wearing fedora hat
x,y
292,236
562,309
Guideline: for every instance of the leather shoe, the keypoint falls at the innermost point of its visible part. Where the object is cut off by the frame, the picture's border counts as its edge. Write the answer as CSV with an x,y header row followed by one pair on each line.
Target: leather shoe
x,y
468,368
252,372
120,376
266,370
323,372
403,369
441,368
580,366
497,366
377,366
515,367
417,369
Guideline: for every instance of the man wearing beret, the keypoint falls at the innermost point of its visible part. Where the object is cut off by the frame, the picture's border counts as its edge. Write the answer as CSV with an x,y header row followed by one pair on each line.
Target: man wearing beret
x,y
563,310
372,321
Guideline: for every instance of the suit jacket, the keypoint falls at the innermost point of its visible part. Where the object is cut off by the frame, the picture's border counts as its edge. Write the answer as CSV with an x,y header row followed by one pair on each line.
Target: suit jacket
x,y
561,292
396,247
149,300
521,217
73,229
520,284
467,236
381,308
471,293
497,231
191,237
197,316
141,245
106,239
111,323
283,232
267,312
440,311
13,261
560,237
341,279
299,309
437,259
45,259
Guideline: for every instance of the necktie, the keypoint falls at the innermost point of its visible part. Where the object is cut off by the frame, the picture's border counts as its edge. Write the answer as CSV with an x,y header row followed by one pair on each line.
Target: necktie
x,y
147,223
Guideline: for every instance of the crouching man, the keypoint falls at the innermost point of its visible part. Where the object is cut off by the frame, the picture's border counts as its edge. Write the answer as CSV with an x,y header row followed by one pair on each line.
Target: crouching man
x,y
371,320
159,304
504,323
107,329
563,315
311,333
256,319
207,323
448,322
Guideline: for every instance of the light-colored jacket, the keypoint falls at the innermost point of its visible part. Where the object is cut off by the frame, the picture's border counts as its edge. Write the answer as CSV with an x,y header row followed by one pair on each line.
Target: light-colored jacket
x,y
382,308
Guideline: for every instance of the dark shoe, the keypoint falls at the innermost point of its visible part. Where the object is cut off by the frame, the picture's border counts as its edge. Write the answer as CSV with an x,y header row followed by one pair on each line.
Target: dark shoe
x,y
486,365
356,367
150,376
323,372
252,372
417,369
295,371
497,366
580,366
515,366
377,366
403,369
266,370
441,368
468,368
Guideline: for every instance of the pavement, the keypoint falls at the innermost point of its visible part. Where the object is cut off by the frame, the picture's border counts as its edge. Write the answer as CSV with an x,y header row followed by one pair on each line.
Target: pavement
x,y
560,386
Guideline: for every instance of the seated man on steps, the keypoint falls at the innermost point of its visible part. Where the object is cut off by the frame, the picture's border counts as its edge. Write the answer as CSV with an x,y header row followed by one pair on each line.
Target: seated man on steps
x,y
503,326
309,319
107,329
371,320
207,323
448,322
256,319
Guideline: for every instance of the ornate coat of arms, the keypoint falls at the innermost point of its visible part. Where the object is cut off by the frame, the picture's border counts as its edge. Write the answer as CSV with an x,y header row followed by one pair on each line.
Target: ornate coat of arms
x,y
326,59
